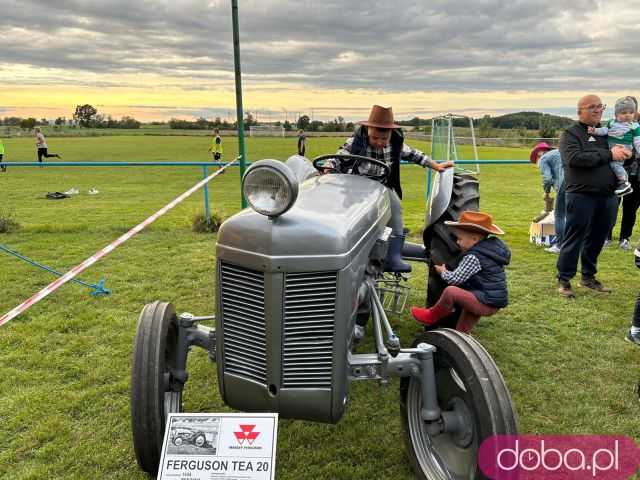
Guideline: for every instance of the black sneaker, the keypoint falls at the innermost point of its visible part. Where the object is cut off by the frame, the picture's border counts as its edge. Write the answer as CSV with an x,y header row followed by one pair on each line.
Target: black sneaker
x,y
623,189
565,290
594,285
631,338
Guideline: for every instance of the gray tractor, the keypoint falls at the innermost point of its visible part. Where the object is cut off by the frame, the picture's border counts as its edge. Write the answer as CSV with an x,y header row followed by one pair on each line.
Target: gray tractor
x,y
293,275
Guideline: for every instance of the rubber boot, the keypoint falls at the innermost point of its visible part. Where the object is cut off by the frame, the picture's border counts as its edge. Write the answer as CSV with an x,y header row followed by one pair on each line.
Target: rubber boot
x,y
429,316
393,262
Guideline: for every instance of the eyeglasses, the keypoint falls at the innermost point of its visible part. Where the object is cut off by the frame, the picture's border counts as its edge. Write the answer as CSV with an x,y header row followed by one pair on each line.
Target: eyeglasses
x,y
595,108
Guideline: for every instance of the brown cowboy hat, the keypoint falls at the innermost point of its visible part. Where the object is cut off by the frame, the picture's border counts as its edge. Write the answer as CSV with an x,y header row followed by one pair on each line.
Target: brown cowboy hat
x,y
380,117
476,222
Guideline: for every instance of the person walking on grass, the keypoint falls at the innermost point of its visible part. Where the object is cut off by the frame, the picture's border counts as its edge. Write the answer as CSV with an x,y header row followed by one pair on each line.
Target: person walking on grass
x,y
301,143
216,146
41,145
3,168
591,203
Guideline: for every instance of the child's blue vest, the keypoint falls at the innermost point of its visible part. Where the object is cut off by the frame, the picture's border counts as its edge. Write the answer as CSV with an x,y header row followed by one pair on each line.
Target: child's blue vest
x,y
489,285
359,147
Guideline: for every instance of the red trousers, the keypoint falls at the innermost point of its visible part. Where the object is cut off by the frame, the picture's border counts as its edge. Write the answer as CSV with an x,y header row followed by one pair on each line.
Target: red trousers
x,y
472,309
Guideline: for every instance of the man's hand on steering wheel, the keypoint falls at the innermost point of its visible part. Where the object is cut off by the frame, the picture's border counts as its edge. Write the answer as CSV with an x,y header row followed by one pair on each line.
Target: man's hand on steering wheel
x,y
356,160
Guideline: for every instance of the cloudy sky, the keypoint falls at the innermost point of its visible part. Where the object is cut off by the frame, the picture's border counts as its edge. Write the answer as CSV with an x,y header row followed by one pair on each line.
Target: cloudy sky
x,y
156,59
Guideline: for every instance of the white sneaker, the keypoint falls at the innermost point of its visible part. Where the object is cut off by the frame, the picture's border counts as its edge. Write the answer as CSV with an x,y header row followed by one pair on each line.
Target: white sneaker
x,y
624,244
72,191
93,191
553,249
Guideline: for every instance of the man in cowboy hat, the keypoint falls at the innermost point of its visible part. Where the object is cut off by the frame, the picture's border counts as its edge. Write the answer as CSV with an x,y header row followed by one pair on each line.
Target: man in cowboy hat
x,y
381,139
478,285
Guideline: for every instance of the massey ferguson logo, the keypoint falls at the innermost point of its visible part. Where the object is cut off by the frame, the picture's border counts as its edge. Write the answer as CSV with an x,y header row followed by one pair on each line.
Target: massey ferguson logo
x,y
247,434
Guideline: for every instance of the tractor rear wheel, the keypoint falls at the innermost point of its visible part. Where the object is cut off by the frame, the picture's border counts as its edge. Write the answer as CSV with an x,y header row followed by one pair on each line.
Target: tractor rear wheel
x,y
440,242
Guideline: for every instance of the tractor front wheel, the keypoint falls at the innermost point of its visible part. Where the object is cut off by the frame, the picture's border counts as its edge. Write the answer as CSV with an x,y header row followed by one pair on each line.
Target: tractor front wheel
x,y
471,388
154,391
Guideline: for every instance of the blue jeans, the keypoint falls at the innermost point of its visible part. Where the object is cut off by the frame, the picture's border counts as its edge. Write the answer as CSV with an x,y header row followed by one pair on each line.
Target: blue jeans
x,y
560,214
588,221
619,171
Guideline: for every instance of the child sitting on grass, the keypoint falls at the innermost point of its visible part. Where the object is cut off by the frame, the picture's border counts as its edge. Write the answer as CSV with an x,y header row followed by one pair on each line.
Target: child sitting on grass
x,y
479,284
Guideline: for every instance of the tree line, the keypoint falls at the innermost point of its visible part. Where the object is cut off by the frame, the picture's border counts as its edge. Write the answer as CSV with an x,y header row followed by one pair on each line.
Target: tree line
x,y
338,124
84,116
87,116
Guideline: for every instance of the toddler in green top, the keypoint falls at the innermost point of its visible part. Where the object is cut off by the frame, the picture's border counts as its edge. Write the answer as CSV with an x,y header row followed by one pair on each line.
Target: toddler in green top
x,y
625,131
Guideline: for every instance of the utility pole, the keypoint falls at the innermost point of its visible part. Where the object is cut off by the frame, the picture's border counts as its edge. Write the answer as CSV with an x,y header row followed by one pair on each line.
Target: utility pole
x,y
238,75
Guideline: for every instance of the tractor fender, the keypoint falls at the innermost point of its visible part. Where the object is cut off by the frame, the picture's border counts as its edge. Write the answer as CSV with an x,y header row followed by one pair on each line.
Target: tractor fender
x,y
440,196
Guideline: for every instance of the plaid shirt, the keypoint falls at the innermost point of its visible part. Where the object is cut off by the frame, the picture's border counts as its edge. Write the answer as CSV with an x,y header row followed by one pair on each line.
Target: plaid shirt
x,y
408,153
468,267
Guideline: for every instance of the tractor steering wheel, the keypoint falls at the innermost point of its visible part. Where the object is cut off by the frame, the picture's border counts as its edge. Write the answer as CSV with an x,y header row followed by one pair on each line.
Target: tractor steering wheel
x,y
355,167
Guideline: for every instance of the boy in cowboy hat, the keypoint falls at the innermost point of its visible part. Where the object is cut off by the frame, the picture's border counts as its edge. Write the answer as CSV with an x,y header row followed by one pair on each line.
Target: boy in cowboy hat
x,y
381,139
479,284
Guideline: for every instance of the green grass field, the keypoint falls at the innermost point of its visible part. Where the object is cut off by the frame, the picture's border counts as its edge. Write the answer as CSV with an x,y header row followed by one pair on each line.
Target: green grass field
x,y
65,364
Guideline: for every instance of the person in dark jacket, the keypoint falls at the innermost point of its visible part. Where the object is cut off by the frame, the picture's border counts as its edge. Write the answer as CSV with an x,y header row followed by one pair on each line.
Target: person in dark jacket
x,y
590,201
479,284
381,139
301,143
633,334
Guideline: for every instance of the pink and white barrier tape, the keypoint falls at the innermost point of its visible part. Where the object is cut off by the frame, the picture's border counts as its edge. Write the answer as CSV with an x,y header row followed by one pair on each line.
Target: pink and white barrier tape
x,y
53,286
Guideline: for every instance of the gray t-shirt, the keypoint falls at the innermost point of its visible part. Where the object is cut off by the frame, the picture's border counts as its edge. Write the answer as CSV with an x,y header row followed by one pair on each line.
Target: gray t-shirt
x,y
40,141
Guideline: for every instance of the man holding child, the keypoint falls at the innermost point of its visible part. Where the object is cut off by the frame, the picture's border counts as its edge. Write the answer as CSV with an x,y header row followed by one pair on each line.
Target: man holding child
x,y
590,200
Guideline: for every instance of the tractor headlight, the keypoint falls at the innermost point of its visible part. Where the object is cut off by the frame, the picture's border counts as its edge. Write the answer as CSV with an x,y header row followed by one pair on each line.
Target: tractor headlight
x,y
270,187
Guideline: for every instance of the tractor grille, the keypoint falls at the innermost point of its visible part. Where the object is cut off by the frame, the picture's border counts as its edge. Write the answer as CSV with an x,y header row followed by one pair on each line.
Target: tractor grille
x,y
309,311
243,322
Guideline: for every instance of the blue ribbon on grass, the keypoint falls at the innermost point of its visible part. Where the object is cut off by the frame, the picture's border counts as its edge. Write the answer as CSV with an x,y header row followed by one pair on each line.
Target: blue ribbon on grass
x,y
98,289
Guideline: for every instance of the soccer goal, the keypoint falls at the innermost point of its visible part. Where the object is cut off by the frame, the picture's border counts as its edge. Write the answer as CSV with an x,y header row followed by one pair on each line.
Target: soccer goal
x,y
266,131
445,143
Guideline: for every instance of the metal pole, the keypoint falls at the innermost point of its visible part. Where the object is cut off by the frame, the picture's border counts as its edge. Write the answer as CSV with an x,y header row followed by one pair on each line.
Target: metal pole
x,y
448,157
207,213
239,112
473,140
433,156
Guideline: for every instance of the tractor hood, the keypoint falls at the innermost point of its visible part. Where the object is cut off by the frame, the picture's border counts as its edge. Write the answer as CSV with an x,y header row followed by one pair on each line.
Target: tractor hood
x,y
332,218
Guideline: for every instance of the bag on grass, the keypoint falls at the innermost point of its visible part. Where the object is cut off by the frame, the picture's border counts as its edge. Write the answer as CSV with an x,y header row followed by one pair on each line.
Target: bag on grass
x,y
56,196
